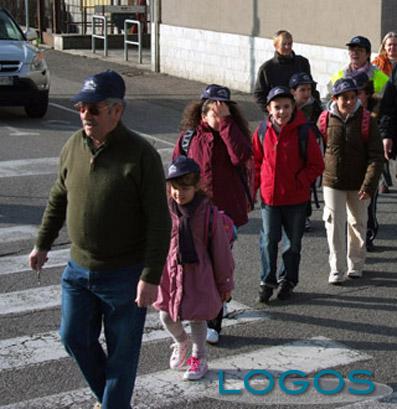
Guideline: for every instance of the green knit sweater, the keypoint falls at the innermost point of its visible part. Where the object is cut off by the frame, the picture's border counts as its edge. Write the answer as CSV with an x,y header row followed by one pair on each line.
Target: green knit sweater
x,y
114,203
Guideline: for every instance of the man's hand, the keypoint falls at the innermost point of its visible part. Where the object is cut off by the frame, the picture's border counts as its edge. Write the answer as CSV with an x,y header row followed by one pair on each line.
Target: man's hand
x,y
363,195
37,259
388,148
146,294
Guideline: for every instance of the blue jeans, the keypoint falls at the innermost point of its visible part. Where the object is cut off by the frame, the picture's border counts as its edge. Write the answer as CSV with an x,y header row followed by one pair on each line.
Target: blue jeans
x,y
291,219
88,299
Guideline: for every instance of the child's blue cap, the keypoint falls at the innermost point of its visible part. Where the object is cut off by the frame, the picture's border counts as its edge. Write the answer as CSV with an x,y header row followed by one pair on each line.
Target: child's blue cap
x,y
343,85
215,92
278,92
181,166
300,78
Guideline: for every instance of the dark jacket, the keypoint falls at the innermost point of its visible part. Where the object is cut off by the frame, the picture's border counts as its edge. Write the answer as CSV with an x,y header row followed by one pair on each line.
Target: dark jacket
x,y
221,156
351,162
281,173
277,71
114,203
388,111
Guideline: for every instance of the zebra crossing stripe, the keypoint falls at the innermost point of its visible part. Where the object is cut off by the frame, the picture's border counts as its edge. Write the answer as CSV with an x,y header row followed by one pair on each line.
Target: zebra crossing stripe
x,y
28,167
31,300
18,264
38,348
163,388
17,233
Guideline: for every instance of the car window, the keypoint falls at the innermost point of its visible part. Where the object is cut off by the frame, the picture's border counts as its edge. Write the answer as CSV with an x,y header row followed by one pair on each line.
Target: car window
x,y
8,29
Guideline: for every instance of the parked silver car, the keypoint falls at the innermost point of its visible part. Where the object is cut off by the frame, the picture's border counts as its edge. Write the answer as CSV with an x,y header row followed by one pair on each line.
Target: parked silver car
x,y
24,75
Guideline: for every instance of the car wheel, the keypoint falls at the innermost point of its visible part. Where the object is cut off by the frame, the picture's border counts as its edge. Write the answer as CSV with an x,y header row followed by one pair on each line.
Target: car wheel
x,y
37,108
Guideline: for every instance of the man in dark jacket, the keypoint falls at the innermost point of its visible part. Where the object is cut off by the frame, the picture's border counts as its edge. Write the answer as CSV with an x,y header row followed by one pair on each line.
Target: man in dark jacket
x,y
111,192
388,117
278,70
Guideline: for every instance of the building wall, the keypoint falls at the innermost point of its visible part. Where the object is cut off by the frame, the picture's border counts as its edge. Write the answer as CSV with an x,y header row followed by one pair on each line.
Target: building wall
x,y
319,22
226,41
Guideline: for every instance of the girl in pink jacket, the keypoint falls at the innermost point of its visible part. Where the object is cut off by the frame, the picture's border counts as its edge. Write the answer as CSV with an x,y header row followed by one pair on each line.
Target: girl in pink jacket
x,y
198,275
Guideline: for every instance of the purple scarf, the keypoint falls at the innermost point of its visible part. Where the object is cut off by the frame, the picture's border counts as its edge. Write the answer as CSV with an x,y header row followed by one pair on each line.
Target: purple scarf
x,y
186,251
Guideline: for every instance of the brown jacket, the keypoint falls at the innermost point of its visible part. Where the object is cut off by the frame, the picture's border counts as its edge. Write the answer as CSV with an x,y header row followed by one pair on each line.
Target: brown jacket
x,y
352,162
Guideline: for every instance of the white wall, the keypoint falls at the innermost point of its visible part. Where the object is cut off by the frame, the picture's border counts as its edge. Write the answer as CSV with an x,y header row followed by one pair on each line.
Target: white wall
x,y
232,59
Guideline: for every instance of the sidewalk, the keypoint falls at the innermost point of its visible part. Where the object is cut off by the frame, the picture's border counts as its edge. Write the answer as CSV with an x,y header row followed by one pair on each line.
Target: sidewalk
x,y
117,56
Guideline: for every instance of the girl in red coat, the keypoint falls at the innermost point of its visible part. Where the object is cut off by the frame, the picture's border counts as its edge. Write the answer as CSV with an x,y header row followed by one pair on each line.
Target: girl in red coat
x,y
198,275
215,134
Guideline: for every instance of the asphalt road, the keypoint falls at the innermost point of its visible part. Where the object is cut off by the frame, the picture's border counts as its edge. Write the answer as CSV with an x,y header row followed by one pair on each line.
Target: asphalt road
x,y
356,320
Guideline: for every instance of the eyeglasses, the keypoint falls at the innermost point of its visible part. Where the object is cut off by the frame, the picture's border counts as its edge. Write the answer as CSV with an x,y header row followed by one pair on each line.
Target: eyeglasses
x,y
92,109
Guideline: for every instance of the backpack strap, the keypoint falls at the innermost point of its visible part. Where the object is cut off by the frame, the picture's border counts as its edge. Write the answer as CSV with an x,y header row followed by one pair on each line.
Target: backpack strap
x,y
262,130
186,141
323,124
303,133
365,124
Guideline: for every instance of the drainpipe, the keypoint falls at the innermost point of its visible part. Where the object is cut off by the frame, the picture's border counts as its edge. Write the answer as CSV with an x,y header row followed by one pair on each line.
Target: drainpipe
x,y
155,10
27,14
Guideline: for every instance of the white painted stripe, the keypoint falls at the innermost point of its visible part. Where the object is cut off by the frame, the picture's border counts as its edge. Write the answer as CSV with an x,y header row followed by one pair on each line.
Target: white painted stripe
x,y
145,135
31,300
16,233
17,132
159,389
28,167
30,350
18,264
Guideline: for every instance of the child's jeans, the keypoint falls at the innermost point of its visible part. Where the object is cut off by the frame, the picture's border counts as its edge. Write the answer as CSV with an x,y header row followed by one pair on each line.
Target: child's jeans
x,y
292,218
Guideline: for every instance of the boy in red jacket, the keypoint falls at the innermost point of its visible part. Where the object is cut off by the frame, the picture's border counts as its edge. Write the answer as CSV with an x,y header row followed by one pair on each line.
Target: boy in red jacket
x,y
284,178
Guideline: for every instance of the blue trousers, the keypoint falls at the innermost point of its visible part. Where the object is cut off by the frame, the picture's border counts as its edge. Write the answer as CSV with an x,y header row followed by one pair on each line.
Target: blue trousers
x,y
292,219
88,299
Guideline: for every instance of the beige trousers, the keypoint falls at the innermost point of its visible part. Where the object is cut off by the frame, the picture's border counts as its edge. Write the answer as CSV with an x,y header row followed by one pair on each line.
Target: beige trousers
x,y
341,206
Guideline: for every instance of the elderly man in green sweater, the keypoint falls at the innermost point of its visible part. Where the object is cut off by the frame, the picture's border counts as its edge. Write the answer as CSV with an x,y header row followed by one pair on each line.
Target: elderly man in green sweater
x,y
110,190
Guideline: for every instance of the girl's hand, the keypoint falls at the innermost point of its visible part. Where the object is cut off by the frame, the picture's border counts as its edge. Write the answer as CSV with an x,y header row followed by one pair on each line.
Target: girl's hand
x,y
363,195
226,296
221,109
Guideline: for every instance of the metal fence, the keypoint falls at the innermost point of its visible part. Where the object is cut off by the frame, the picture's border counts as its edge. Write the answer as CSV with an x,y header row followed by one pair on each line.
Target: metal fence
x,y
61,16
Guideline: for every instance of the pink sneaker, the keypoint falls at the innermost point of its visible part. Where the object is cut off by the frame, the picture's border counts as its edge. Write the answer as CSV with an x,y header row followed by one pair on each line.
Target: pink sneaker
x,y
179,354
197,369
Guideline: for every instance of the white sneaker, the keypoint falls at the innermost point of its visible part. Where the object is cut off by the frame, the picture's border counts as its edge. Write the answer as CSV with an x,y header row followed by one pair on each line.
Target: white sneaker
x,y
354,274
97,406
197,369
335,278
212,336
179,354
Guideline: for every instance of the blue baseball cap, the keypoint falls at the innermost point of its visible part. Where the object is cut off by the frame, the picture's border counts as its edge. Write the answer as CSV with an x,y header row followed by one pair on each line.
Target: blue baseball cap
x,y
181,166
277,92
98,87
360,78
360,41
300,78
216,92
343,85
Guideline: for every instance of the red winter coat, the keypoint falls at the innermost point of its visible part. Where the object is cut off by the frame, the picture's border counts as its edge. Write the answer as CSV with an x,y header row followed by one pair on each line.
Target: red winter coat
x,y
219,155
191,291
280,172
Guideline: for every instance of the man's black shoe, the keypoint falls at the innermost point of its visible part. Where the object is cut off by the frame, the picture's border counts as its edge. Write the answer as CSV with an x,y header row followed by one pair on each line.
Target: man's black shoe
x,y
265,293
285,291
